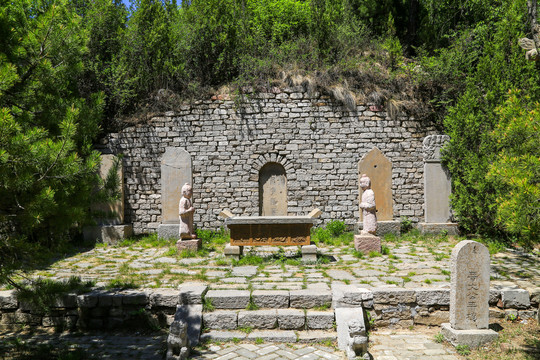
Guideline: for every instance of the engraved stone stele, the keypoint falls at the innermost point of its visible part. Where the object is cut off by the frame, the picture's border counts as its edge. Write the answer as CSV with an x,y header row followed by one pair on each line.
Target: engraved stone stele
x,y
469,296
367,241
111,227
113,210
437,188
272,190
379,169
175,172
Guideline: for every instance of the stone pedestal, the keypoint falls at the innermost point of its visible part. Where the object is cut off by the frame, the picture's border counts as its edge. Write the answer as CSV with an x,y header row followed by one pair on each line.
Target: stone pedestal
x,y
194,244
472,338
107,234
367,243
233,251
437,228
309,253
168,231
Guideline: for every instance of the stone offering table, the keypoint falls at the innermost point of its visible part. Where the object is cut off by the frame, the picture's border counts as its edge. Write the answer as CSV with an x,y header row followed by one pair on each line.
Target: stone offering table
x,y
271,231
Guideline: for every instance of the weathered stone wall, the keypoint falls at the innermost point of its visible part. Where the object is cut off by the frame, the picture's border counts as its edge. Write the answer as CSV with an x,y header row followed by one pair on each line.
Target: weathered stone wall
x,y
98,309
317,140
388,307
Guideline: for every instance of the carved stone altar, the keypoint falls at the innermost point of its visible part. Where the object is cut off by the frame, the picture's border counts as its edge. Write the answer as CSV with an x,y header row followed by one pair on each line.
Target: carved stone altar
x,y
270,230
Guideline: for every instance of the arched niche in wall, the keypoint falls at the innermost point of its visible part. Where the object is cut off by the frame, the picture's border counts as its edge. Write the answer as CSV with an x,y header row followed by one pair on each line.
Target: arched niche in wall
x,y
272,190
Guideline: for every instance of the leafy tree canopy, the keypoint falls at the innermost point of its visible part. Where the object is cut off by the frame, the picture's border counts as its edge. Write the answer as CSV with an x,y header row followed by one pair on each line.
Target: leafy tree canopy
x,y
47,165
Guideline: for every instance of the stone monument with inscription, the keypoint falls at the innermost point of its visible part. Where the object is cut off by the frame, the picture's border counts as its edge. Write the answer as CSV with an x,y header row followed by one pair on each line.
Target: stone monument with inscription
x,y
110,226
175,172
188,238
469,296
272,190
367,241
379,169
437,188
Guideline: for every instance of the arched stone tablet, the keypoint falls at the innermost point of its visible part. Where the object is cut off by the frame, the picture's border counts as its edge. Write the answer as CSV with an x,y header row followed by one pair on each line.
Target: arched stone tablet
x,y
379,169
469,292
113,211
175,172
272,190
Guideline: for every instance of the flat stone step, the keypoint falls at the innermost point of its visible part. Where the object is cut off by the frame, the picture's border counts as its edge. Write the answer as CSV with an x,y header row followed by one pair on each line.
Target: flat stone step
x,y
277,336
283,319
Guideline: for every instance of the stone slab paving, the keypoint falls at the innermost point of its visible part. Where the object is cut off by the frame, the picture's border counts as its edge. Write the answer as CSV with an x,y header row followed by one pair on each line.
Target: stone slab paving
x,y
244,351
95,345
417,344
408,265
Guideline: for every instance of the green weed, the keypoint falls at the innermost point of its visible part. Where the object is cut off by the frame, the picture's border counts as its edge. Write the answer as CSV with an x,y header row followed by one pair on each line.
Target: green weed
x,y
463,350
121,284
207,305
245,329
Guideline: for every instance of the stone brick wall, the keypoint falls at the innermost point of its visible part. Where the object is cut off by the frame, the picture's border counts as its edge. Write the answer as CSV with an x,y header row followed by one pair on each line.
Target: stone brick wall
x,y
317,140
98,309
135,309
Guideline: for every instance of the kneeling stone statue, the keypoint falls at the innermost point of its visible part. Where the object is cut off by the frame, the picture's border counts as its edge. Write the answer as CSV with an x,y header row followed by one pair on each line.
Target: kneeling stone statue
x,y
177,342
358,340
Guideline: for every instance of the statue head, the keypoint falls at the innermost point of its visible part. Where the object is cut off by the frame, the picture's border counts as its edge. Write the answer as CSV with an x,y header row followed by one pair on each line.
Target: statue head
x,y
187,191
365,182
356,327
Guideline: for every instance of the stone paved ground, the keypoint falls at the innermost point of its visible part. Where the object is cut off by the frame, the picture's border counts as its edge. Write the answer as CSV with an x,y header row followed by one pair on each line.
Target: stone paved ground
x,y
408,265
415,344
409,345
384,345
244,351
101,345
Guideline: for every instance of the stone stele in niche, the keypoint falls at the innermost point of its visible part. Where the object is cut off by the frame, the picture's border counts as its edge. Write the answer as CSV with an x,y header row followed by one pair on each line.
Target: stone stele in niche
x,y
272,190
379,169
113,211
175,172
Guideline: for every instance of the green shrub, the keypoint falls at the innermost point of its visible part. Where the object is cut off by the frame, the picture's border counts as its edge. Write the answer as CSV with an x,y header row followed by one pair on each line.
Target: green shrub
x,y
406,225
336,227
492,133
516,168
321,235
